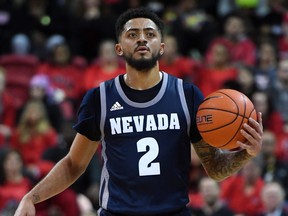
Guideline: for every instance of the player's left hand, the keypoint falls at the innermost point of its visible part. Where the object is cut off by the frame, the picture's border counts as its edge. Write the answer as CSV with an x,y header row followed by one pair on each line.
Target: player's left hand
x,y
253,133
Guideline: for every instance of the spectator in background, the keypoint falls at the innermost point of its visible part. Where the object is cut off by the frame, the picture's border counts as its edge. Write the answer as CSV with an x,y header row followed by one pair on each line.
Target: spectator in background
x,y
283,39
107,65
219,70
242,192
246,80
90,16
271,16
177,64
41,90
51,42
213,205
225,7
272,120
7,111
13,183
64,76
272,168
235,37
55,40
20,65
273,199
279,90
20,44
193,27
32,136
266,65
282,146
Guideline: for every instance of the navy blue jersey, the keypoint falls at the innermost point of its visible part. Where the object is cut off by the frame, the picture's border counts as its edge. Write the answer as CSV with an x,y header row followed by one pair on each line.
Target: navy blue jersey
x,y
145,145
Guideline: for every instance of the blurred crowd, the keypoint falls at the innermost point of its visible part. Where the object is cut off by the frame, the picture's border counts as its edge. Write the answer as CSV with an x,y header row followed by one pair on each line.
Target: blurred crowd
x,y
53,51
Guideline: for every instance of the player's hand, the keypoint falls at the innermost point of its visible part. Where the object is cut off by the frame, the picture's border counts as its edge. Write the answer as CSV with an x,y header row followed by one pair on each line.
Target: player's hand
x,y
253,133
25,208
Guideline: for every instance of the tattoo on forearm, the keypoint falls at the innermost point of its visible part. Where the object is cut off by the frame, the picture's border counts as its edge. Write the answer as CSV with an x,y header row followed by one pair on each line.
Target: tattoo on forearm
x,y
220,164
36,198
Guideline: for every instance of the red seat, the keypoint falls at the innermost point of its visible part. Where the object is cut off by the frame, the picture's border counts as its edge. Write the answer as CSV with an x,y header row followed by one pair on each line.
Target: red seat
x,y
19,70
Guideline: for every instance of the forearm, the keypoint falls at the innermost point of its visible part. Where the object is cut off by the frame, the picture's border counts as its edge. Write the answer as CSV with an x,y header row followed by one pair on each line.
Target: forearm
x,y
219,164
59,178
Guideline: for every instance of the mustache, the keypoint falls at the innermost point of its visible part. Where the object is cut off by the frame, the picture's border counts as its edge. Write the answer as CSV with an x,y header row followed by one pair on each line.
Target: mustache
x,y
142,44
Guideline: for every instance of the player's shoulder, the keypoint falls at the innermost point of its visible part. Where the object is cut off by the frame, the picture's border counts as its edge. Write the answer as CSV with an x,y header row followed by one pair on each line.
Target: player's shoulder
x,y
190,86
91,97
95,92
193,90
190,89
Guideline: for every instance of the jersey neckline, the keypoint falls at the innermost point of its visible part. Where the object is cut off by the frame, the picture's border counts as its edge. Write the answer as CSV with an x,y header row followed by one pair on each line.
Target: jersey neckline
x,y
151,102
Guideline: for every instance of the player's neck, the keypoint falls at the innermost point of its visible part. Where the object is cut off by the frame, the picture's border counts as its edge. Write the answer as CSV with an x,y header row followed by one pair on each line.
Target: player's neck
x,y
141,80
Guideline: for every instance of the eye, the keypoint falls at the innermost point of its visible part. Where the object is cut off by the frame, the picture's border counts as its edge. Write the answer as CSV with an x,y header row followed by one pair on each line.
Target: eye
x,y
150,34
132,35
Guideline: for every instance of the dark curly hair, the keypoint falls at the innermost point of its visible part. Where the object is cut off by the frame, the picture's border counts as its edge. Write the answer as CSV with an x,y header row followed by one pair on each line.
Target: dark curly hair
x,y
141,12
4,153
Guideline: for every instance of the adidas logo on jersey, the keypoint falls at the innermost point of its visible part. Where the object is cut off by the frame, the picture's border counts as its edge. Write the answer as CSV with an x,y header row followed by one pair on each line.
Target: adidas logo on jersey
x,y
116,106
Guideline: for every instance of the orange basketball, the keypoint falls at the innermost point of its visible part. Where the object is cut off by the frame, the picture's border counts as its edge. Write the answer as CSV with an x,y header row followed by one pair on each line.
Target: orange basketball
x,y
221,115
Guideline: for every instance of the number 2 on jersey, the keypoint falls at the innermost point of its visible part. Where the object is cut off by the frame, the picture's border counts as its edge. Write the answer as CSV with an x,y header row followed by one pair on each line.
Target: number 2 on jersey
x,y
145,165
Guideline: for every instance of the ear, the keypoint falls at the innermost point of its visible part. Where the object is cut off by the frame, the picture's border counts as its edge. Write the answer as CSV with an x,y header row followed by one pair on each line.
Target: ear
x,y
118,50
162,48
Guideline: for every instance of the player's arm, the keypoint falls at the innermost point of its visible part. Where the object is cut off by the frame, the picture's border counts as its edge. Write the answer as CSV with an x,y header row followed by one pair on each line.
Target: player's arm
x,y
220,164
64,174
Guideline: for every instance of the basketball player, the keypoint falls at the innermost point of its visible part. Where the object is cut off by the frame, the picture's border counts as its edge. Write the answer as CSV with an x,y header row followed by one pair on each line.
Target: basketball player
x,y
145,121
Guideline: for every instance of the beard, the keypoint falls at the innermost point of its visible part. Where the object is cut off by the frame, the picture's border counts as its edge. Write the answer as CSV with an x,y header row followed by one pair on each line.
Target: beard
x,y
142,64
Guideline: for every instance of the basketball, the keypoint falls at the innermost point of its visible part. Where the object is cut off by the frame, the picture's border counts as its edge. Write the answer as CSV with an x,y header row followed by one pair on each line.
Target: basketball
x,y
221,115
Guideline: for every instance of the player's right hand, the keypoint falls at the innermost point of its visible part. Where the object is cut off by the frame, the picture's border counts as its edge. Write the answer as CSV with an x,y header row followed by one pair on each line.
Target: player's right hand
x,y
25,208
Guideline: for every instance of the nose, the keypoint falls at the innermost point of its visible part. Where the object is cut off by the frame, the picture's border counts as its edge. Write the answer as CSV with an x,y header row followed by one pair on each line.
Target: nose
x,y
142,37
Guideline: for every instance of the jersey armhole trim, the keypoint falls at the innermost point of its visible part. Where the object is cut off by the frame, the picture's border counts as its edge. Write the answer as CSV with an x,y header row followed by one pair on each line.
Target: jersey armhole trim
x,y
103,108
184,104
